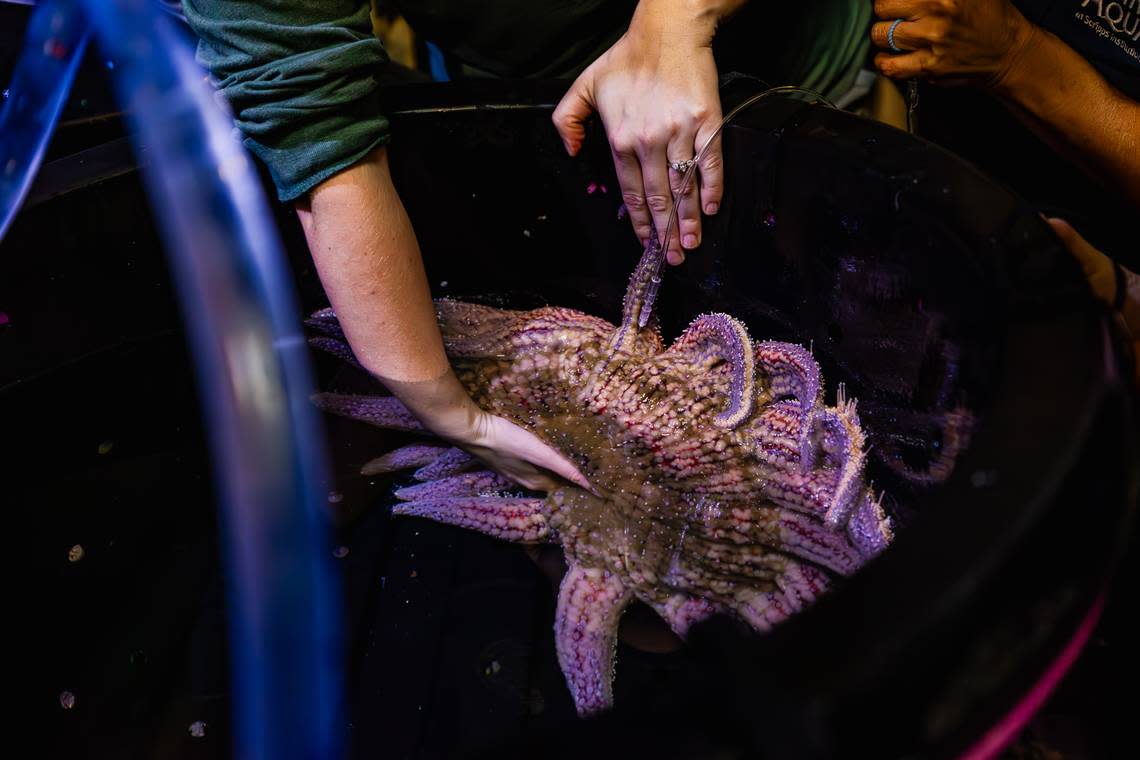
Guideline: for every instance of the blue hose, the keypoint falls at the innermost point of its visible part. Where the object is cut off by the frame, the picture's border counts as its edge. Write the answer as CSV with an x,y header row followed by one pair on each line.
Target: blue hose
x,y
54,45
237,299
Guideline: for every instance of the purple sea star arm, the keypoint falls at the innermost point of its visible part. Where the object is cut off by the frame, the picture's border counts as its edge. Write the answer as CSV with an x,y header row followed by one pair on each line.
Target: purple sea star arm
x,y
869,528
590,603
326,326
792,371
843,445
479,483
511,519
404,458
337,348
451,462
381,411
720,337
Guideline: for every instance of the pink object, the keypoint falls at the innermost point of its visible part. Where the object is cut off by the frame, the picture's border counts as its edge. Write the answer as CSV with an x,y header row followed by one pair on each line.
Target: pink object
x,y
623,212
4,319
1007,729
591,188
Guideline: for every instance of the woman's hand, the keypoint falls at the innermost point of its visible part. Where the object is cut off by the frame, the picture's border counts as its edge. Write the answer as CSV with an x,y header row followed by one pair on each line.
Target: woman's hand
x,y
656,93
443,406
518,454
951,41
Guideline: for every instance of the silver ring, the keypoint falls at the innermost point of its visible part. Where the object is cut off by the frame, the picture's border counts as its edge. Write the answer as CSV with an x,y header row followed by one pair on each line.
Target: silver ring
x,y
891,36
682,166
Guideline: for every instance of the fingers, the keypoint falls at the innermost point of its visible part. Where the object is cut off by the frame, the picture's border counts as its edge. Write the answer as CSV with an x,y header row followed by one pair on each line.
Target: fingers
x,y
904,35
712,165
687,195
1091,260
514,442
572,112
910,35
628,170
905,65
906,9
659,193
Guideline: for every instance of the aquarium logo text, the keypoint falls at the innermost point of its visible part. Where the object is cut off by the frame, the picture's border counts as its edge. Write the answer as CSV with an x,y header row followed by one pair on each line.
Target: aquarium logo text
x,y
1122,16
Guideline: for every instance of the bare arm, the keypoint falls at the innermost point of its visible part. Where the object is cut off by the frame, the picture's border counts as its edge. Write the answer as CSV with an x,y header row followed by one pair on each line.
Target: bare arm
x,y
1063,99
369,263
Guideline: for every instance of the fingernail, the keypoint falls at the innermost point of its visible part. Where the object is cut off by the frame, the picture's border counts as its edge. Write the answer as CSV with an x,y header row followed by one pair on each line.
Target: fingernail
x,y
689,241
710,208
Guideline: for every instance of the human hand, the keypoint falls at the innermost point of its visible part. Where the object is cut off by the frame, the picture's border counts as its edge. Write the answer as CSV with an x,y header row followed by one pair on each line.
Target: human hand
x,y
518,454
656,93
1117,287
951,41
445,409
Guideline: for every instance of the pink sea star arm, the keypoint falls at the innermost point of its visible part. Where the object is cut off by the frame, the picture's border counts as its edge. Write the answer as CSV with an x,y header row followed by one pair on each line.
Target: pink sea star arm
x,y
590,603
682,612
471,331
719,337
511,519
639,296
382,411
785,530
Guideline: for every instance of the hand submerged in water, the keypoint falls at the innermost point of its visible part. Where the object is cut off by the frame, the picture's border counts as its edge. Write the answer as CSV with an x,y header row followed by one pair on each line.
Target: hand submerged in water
x,y
656,93
445,409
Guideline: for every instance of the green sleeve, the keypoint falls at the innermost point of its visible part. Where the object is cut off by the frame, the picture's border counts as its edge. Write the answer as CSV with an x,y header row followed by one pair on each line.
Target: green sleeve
x,y
300,79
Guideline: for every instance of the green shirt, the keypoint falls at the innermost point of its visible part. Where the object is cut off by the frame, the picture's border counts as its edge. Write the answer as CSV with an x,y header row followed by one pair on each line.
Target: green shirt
x,y
301,75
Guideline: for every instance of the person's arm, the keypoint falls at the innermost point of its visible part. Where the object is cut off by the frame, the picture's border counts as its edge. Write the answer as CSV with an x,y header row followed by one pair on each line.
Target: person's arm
x,y
369,263
656,93
300,78
1115,286
1062,98
1047,84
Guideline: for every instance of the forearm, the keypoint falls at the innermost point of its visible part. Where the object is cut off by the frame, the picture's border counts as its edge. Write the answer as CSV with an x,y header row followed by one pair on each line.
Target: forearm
x,y
1066,102
684,18
369,263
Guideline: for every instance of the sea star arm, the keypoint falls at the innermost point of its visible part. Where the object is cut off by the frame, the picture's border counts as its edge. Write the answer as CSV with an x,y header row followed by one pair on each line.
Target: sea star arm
x,y
520,520
682,612
381,411
479,483
590,603
793,372
472,331
338,348
404,458
720,337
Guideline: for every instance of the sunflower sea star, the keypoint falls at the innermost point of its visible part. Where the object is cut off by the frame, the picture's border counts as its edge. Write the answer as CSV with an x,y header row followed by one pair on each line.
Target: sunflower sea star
x,y
722,482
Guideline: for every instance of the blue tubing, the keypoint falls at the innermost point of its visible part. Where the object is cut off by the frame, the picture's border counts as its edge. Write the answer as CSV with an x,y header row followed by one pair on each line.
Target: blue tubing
x,y
53,48
237,299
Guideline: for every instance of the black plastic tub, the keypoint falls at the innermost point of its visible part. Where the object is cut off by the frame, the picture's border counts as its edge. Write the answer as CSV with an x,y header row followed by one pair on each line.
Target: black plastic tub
x,y
929,291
